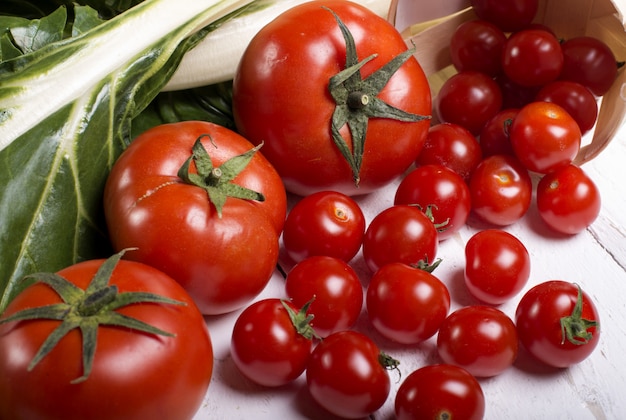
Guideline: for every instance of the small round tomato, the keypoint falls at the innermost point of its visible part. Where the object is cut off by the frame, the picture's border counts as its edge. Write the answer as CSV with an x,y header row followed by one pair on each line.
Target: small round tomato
x,y
406,304
271,342
500,190
532,57
480,339
497,266
324,223
573,97
323,128
346,377
179,194
333,289
510,16
401,233
495,137
558,323
452,146
568,200
477,45
131,336
469,99
440,392
545,137
590,62
442,189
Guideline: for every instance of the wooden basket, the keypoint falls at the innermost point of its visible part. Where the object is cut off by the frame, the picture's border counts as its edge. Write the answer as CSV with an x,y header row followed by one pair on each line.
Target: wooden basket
x,y
603,19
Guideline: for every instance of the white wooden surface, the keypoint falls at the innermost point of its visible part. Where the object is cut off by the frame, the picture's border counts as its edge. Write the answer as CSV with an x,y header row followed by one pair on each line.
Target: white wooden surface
x,y
595,258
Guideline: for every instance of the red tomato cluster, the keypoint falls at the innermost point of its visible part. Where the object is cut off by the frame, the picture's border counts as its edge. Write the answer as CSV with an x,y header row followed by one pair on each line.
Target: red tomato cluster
x,y
206,207
526,98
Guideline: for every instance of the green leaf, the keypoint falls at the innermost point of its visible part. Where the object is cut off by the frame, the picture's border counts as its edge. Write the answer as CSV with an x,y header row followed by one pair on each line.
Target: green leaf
x,y
85,19
40,32
65,116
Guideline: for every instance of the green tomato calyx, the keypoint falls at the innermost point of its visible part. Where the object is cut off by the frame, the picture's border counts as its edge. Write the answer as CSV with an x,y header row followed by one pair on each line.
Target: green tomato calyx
x,y
574,327
357,100
301,320
87,310
217,181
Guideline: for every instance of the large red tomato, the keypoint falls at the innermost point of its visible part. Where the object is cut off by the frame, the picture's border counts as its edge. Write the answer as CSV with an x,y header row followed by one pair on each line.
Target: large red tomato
x,y
134,374
286,94
179,230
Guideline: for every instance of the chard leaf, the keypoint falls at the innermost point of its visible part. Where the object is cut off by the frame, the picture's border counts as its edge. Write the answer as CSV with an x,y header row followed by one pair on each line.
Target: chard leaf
x,y
85,19
65,116
40,32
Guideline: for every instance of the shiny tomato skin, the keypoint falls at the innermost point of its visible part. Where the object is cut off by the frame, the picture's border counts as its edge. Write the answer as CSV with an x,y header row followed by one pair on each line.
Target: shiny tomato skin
x,y
568,200
441,188
335,289
131,369
510,16
532,57
494,137
281,97
500,190
324,223
178,230
406,304
590,62
477,45
545,137
497,266
265,345
469,99
574,98
480,339
440,391
401,233
452,146
345,376
538,316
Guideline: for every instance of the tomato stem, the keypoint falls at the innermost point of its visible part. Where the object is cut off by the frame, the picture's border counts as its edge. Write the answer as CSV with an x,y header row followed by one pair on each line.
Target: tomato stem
x,y
217,181
357,100
301,320
87,310
574,327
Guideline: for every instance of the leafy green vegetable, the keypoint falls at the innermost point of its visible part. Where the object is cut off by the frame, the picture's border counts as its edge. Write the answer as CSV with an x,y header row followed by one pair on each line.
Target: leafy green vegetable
x,y
66,109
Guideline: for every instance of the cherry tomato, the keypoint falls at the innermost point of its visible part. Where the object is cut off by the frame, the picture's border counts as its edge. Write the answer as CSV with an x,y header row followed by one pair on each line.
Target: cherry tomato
x,y
452,146
532,57
406,304
131,369
573,97
590,62
500,190
510,16
177,226
346,377
558,323
282,96
477,45
468,98
440,392
334,288
568,200
442,189
480,339
497,266
324,223
401,233
545,137
269,345
494,137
